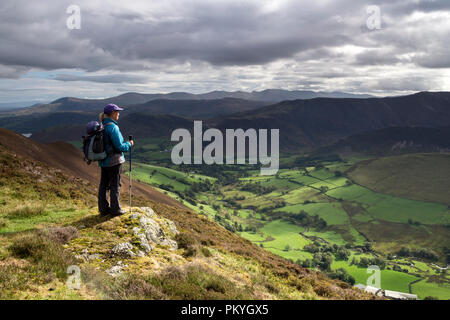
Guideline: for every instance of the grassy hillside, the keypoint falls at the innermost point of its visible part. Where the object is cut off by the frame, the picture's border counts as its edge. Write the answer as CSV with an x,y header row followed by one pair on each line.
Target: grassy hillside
x,y
48,222
413,176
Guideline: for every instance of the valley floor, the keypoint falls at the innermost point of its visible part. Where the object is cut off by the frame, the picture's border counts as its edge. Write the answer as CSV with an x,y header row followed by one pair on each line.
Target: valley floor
x,y
304,212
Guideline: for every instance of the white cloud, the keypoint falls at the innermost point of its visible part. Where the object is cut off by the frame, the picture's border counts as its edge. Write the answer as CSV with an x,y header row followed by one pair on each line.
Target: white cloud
x,y
198,46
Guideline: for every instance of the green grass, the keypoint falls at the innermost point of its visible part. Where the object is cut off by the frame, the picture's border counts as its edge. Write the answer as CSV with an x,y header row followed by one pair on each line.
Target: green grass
x,y
329,236
390,280
156,175
284,233
394,209
51,216
322,174
425,289
331,212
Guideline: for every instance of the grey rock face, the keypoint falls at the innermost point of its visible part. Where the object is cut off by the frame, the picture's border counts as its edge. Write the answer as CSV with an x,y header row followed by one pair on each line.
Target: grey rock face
x,y
124,249
151,232
116,270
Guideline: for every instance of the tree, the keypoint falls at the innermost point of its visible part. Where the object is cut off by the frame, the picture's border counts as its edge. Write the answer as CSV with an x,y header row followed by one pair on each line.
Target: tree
x,y
342,275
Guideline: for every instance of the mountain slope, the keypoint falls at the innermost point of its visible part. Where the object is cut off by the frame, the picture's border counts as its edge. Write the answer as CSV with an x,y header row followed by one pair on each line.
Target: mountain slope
x,y
414,176
196,108
322,121
73,111
141,125
132,98
302,123
395,140
66,158
48,221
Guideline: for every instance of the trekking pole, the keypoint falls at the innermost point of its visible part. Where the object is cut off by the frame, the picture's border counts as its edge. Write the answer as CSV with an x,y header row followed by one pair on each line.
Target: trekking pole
x,y
129,139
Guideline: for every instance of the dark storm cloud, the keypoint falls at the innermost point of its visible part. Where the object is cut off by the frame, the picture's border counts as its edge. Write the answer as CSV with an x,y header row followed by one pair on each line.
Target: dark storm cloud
x,y
110,78
155,36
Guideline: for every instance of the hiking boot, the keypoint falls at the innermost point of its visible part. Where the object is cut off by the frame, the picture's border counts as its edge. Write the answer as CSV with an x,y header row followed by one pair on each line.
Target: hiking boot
x,y
106,212
118,213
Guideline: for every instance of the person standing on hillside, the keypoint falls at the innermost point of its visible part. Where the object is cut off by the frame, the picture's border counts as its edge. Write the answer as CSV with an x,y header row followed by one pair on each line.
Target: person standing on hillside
x,y
111,166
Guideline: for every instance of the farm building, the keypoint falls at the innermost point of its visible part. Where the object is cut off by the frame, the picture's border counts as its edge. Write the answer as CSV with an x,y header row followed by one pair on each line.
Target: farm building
x,y
395,295
399,295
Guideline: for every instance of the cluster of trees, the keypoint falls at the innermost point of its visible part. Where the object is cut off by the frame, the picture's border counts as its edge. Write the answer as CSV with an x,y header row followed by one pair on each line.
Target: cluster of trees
x,y
340,252
233,227
342,275
204,185
301,219
257,188
323,260
365,262
418,253
232,202
413,223
277,204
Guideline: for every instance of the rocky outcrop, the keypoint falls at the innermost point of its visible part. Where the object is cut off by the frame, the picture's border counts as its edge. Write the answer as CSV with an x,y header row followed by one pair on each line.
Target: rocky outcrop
x,y
152,230
147,231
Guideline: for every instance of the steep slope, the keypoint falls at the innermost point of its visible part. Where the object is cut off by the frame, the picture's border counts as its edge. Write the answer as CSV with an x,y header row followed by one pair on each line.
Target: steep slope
x,y
157,252
395,140
302,123
69,160
141,125
322,121
414,176
199,109
73,111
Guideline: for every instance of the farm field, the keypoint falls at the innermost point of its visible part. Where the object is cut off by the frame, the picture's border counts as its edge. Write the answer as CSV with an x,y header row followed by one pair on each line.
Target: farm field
x,y
319,205
413,176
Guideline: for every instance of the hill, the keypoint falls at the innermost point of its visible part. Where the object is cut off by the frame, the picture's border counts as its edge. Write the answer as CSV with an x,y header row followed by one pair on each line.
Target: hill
x,y
414,176
73,111
199,109
133,98
323,121
48,222
67,159
141,125
308,124
394,140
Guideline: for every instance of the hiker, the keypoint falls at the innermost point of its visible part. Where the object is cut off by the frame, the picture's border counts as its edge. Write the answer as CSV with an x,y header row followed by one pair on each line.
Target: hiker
x,y
111,166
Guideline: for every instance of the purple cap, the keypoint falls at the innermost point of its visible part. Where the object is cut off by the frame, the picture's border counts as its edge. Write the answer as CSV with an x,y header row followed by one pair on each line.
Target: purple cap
x,y
110,108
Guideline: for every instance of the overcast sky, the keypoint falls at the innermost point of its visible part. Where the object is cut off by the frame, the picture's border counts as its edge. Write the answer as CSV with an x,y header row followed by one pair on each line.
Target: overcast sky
x,y
200,46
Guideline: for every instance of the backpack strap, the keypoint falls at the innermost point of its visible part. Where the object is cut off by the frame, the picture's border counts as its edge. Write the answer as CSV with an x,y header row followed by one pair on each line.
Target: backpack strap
x,y
110,141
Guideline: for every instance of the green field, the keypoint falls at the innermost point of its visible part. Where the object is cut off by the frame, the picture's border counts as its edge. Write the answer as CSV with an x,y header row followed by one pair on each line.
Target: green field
x,y
431,289
351,215
389,279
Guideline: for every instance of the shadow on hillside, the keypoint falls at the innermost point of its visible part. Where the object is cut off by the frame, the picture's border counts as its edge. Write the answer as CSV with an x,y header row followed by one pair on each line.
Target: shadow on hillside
x,y
91,221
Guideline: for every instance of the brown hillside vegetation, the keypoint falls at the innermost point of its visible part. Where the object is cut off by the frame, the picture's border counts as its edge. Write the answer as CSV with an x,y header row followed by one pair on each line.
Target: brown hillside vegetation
x,y
210,262
64,156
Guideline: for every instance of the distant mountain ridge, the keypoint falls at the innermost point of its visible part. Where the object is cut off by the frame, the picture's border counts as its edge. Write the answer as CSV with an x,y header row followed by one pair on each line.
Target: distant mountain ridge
x,y
323,121
133,98
303,123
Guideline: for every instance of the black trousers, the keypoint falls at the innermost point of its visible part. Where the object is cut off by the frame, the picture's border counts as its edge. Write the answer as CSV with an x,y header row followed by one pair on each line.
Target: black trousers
x,y
110,180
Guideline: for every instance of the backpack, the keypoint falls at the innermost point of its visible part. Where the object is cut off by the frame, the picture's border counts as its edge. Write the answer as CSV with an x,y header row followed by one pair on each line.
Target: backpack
x,y
94,142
